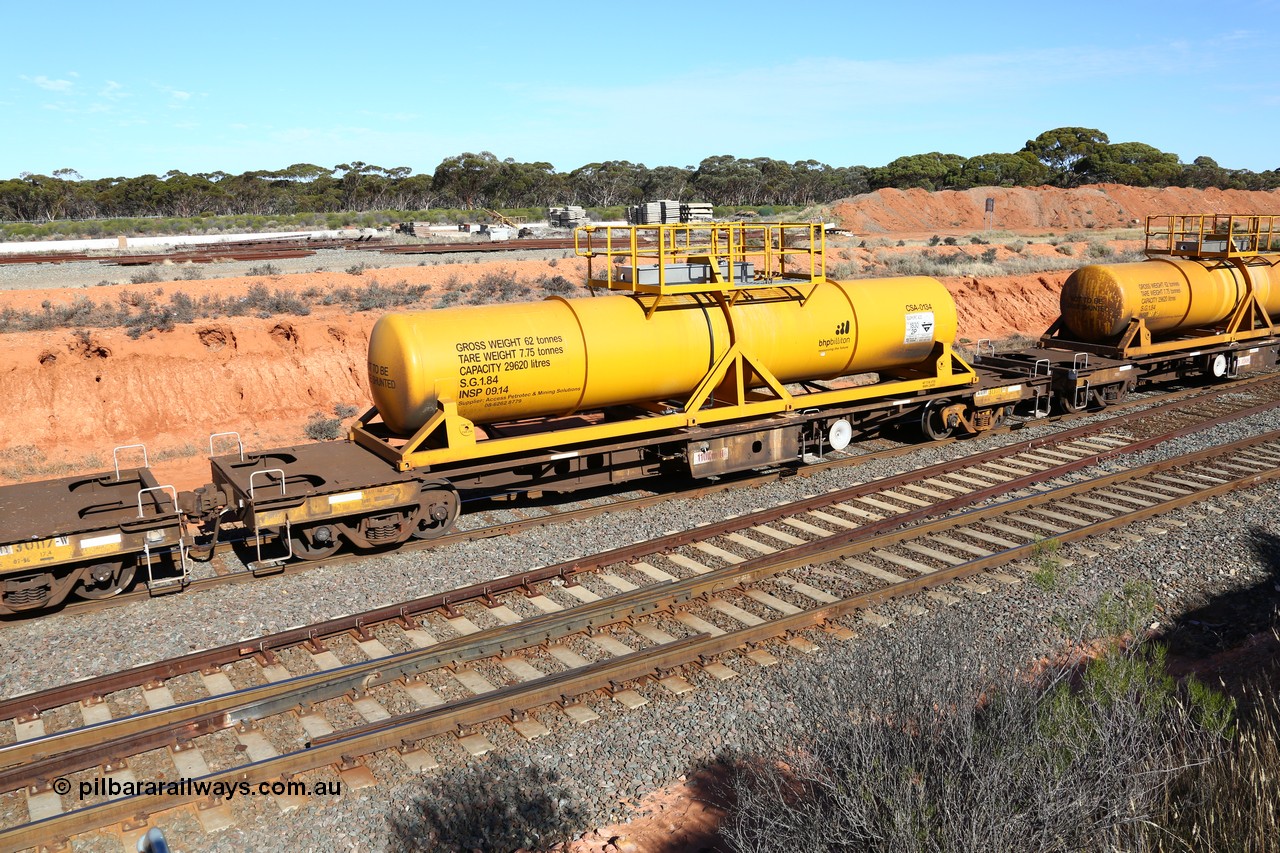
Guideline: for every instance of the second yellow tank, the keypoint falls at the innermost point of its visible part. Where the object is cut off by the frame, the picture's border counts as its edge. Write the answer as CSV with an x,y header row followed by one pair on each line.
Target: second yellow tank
x,y
1170,295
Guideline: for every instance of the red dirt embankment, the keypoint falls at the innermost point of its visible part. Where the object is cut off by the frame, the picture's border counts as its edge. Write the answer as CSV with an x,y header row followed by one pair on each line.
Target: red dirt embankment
x,y
1037,208
997,308
75,397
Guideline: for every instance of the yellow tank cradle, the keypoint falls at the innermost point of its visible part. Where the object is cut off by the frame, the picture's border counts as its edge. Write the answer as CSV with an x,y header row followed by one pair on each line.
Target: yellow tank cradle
x,y
722,397
1212,235
687,258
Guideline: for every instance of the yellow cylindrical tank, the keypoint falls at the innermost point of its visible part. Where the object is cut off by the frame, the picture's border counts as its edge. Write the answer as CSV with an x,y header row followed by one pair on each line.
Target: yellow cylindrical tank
x,y
1171,295
559,356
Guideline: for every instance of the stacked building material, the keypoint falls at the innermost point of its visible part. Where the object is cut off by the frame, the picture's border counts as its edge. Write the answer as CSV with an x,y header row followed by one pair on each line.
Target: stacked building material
x,y
569,216
695,211
654,212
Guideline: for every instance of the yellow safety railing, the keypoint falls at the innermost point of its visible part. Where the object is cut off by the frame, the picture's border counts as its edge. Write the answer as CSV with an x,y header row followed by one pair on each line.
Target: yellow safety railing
x,y
1212,235
702,257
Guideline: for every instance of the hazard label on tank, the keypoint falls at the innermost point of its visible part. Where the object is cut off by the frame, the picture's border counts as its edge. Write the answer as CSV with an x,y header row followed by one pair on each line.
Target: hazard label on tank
x,y
919,327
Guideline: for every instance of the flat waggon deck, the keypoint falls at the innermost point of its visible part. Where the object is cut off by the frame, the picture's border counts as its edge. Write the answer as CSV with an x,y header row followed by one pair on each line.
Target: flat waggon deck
x,y
331,466
78,504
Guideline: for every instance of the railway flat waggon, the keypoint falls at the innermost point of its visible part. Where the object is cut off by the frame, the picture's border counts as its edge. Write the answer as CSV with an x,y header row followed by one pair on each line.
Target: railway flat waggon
x,y
89,536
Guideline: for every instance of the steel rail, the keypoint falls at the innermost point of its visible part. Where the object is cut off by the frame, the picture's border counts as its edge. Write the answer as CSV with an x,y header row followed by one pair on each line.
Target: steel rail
x,y
345,746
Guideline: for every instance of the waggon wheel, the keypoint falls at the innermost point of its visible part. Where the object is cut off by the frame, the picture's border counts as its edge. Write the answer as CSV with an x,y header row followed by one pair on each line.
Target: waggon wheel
x,y
932,424
438,508
104,580
1070,405
314,542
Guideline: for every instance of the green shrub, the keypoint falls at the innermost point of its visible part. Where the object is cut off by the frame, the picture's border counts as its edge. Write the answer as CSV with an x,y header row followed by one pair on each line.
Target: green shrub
x,y
495,805
1047,574
556,285
374,297
139,312
321,428
150,275
946,745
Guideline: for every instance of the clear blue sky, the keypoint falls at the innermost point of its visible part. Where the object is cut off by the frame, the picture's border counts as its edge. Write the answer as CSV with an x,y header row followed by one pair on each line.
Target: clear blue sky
x,y
127,89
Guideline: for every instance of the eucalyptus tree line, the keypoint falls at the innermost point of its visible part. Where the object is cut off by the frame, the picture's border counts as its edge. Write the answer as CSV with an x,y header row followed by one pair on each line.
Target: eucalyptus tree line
x,y
1064,157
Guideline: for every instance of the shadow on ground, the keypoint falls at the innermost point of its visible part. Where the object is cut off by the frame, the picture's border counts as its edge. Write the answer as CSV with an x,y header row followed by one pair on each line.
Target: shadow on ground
x,y
1232,637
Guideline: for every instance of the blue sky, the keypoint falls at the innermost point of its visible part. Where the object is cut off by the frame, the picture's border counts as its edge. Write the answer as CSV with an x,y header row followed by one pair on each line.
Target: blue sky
x,y
129,89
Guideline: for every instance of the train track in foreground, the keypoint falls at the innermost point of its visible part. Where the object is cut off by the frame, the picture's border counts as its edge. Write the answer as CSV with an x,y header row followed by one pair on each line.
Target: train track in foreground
x,y
1183,405
409,679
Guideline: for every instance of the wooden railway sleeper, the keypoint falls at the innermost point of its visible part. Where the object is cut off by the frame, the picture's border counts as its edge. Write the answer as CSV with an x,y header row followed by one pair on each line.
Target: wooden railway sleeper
x,y
136,822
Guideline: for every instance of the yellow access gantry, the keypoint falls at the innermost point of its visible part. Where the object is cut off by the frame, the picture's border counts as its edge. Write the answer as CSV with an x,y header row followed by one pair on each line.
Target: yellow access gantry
x,y
727,258
1212,235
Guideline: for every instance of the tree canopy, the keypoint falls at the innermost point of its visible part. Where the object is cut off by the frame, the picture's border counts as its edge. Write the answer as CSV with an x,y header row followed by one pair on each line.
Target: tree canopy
x,y
1063,156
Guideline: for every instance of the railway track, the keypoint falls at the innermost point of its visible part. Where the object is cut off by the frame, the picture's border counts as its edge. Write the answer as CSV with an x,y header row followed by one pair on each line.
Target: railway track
x,y
262,250
242,250
1192,408
494,246
406,678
